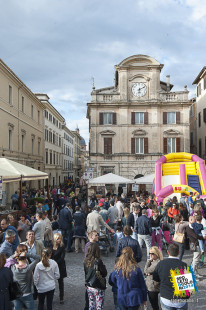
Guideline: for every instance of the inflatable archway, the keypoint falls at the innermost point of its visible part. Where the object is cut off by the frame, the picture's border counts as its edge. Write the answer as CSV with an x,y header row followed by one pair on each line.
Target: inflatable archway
x,y
179,173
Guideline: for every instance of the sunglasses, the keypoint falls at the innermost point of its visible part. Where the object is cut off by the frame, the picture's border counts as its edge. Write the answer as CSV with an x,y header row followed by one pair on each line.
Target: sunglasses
x,y
152,253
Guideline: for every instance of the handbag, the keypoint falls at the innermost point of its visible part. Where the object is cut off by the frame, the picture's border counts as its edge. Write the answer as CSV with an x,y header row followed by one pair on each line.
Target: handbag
x,y
96,280
179,237
14,290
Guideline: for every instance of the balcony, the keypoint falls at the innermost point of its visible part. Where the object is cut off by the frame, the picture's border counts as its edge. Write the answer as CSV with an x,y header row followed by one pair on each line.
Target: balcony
x,y
174,96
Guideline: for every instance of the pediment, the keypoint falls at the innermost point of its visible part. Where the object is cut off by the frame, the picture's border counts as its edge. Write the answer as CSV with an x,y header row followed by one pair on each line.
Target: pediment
x,y
171,132
139,132
107,132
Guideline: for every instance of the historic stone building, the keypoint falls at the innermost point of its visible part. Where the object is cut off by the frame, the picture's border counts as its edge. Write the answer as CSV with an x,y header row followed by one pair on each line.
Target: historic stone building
x,y
53,134
137,120
200,81
22,124
67,151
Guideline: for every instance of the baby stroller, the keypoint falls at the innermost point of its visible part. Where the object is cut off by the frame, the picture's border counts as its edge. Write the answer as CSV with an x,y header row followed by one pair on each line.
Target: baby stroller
x,y
105,241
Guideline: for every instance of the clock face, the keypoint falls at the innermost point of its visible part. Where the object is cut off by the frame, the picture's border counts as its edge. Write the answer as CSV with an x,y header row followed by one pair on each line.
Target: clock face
x,y
139,89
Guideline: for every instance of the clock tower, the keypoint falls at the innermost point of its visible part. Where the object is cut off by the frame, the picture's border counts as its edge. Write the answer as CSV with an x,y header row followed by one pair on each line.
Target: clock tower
x,y
137,120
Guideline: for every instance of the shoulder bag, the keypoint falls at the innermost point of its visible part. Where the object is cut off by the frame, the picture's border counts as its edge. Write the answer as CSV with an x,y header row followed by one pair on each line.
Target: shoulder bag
x,y
179,237
96,280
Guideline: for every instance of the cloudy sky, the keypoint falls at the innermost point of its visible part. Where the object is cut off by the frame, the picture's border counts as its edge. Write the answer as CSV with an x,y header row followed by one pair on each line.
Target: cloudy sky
x,y
57,46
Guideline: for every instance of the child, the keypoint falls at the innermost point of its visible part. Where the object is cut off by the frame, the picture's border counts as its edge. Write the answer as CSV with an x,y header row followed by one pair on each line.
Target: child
x,y
198,227
119,234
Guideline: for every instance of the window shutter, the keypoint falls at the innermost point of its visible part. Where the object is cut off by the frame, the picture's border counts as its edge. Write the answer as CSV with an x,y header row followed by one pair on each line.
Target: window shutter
x,y
146,118
177,117
177,144
133,145
133,118
204,115
145,145
164,117
100,118
107,145
165,145
114,118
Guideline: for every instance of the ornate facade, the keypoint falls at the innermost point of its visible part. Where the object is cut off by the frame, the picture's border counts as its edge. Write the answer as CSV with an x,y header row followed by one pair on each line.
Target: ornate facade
x,y
137,120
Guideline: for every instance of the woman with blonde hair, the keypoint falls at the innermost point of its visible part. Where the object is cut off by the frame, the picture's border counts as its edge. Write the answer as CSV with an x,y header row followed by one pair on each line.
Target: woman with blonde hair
x,y
45,274
129,280
58,254
153,287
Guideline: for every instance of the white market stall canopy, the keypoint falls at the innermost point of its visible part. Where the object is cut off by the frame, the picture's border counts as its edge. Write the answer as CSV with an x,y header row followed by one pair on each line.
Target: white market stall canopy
x,y
109,178
12,171
147,179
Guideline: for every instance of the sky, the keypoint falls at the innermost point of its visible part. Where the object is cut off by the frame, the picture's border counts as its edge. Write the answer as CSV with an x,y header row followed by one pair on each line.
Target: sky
x,y
58,46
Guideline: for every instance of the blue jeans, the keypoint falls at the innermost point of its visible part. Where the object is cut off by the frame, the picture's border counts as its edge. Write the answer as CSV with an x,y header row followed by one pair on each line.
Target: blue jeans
x,y
164,307
27,301
67,238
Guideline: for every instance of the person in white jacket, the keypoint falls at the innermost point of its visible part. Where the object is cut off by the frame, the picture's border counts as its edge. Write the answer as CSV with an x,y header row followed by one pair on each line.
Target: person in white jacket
x,y
45,274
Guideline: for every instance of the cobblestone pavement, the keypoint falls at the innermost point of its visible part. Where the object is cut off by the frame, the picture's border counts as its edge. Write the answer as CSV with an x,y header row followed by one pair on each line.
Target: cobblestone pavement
x,y
75,289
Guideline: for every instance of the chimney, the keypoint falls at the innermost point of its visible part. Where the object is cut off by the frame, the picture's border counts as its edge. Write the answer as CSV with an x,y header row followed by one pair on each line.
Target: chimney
x,y
168,83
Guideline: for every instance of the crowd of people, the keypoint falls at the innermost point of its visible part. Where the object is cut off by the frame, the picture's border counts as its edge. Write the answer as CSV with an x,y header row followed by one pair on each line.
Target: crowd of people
x,y
33,248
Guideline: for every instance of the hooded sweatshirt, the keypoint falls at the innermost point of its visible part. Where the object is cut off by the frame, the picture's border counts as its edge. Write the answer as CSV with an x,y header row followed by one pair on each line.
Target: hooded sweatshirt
x,y
44,277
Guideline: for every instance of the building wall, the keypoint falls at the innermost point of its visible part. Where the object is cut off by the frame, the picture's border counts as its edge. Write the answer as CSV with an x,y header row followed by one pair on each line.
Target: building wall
x,y
21,114
201,119
121,101
53,135
68,153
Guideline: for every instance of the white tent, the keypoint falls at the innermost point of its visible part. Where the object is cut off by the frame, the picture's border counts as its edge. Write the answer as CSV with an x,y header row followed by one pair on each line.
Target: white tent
x,y
147,179
109,178
12,171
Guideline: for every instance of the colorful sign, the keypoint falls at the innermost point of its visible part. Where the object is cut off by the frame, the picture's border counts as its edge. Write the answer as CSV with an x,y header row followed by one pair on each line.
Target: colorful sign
x,y
184,282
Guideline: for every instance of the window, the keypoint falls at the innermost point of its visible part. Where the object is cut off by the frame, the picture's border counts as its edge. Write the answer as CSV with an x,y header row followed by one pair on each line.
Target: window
x,y
57,123
46,157
50,157
39,147
171,118
54,157
46,114
38,117
54,136
22,143
50,117
199,119
204,83
199,89
59,141
171,145
191,111
107,118
107,146
22,104
32,111
54,120
10,94
139,118
200,147
204,115
50,136
10,139
139,147
32,146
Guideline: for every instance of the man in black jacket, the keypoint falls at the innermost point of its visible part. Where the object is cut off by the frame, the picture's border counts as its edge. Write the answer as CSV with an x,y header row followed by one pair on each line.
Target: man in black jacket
x,y
162,274
65,225
144,230
127,241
